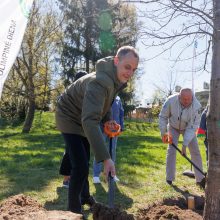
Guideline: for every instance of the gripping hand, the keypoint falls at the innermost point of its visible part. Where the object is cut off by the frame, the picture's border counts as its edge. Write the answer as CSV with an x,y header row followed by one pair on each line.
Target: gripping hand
x,y
167,138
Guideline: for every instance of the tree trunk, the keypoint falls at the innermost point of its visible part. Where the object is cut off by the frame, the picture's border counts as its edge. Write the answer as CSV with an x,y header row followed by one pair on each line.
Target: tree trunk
x,y
30,115
212,205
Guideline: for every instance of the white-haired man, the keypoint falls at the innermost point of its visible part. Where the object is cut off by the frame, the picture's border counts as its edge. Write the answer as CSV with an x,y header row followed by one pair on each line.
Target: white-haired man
x,y
180,114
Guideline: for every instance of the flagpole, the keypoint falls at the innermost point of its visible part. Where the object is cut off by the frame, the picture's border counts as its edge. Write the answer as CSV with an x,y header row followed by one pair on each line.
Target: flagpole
x,y
193,63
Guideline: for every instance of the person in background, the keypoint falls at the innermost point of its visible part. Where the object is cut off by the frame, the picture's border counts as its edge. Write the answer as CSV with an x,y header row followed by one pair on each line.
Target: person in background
x,y
117,112
202,130
65,166
80,110
180,114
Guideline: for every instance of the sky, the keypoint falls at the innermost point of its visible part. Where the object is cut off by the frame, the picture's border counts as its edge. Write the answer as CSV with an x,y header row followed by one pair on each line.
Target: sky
x,y
157,72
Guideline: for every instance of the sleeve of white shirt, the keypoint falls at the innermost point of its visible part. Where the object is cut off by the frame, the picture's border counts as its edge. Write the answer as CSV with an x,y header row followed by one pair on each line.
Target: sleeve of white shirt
x,y
191,128
163,117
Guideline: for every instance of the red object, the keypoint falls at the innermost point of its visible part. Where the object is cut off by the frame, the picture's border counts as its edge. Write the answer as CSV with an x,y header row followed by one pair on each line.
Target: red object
x,y
200,132
112,129
167,139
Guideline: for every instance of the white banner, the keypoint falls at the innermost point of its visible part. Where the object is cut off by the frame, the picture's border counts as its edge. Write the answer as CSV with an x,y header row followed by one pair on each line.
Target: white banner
x,y
13,21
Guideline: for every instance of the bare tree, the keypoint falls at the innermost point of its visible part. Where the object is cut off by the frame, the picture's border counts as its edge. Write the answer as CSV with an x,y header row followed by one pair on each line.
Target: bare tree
x,y
212,205
171,22
168,85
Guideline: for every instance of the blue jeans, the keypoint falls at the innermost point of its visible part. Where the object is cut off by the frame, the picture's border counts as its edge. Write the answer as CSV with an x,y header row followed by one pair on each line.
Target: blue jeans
x,y
97,167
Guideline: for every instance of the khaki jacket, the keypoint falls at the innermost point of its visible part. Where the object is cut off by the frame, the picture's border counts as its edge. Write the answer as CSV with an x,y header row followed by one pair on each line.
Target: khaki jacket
x,y
185,120
85,103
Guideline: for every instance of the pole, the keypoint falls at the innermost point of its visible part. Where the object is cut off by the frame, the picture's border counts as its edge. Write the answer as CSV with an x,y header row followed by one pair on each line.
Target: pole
x,y
111,187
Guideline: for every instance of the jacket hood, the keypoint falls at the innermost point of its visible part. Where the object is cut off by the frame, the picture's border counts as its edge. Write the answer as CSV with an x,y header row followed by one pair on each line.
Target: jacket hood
x,y
106,67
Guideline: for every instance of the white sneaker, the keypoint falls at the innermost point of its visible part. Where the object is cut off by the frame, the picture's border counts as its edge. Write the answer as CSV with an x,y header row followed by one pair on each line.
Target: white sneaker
x,y
116,179
96,180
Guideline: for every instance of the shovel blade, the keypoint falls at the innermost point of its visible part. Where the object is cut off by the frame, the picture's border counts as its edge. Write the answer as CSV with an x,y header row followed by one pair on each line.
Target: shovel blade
x,y
111,191
189,173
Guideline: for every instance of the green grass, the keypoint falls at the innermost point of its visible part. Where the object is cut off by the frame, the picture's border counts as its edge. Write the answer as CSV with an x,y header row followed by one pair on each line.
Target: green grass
x,y
29,164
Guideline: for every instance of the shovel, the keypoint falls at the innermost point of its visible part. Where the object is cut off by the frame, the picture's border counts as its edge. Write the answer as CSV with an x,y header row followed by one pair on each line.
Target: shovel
x,y
189,173
111,182
111,129
194,165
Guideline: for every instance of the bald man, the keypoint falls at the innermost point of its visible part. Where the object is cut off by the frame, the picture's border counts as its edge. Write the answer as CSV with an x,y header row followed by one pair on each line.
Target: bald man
x,y
180,114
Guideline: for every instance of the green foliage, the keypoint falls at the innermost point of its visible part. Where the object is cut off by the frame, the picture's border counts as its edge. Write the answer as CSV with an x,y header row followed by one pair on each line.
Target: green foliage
x,y
30,162
29,84
94,29
128,109
126,96
154,111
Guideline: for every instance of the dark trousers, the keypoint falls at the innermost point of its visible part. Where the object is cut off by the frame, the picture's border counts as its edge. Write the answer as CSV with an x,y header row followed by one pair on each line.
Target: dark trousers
x,y
65,167
78,150
207,150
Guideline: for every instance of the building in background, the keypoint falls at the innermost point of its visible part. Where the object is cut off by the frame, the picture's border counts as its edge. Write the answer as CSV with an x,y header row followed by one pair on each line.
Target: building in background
x,y
203,96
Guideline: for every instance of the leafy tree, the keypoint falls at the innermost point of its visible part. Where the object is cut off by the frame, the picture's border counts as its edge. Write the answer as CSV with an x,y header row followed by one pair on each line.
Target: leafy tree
x,y
13,104
94,29
80,31
34,64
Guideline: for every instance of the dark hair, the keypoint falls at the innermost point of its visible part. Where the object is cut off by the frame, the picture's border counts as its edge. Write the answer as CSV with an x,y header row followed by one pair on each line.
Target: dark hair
x,y
122,51
80,74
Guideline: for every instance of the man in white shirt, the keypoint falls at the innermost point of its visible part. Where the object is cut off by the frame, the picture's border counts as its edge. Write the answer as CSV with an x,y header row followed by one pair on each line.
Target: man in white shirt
x,y
180,114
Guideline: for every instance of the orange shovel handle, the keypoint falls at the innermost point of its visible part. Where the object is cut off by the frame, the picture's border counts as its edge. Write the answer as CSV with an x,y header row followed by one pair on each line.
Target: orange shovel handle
x,y
112,129
167,139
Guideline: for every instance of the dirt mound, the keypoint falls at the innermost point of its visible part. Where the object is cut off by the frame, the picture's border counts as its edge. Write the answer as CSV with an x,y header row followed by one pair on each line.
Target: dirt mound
x,y
172,208
21,207
102,212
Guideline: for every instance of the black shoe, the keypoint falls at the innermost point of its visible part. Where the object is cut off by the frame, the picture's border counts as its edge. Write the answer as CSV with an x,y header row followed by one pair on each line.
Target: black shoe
x,y
89,201
169,182
202,183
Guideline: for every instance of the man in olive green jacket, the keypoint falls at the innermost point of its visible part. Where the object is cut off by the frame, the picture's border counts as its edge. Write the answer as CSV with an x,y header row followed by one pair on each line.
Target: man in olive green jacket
x,y
80,110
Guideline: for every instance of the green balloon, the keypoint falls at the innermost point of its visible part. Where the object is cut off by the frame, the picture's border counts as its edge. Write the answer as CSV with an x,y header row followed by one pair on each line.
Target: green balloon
x,y
105,21
106,41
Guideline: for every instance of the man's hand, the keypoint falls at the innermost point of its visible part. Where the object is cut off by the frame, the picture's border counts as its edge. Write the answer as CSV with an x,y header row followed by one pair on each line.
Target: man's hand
x,y
184,150
167,138
109,167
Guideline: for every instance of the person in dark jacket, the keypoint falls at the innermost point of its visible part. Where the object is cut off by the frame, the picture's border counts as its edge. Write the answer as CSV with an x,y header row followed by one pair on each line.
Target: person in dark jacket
x,y
65,166
117,114
202,130
79,112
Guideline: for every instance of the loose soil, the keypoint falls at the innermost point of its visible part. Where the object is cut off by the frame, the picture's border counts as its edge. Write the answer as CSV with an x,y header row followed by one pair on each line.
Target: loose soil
x,y
21,207
174,209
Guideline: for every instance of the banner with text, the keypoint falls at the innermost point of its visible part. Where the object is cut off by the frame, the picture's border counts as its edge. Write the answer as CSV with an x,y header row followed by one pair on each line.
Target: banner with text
x,y
13,21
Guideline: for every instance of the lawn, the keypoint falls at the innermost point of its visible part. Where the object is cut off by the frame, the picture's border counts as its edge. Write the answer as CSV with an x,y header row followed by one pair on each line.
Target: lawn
x,y
29,164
